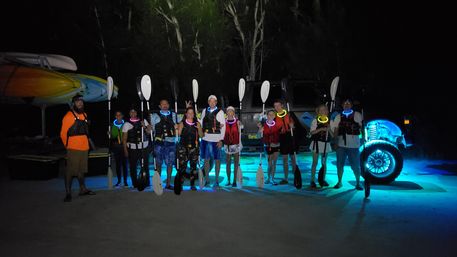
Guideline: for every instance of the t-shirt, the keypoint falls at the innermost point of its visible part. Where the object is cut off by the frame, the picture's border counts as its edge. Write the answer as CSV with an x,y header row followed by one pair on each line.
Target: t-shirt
x,y
128,126
215,137
80,142
352,141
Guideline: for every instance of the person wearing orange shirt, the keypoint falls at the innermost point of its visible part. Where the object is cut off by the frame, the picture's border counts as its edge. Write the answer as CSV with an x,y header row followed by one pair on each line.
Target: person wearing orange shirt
x,y
75,137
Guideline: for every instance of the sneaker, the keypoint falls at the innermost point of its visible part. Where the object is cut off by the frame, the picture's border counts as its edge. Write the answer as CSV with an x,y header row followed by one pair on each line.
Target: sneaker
x,y
206,183
338,185
216,184
268,181
359,188
274,183
117,184
170,187
193,188
312,184
234,184
283,182
126,185
228,184
67,198
325,184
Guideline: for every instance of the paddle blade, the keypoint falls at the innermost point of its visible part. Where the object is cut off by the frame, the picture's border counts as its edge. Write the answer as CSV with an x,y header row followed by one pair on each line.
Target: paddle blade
x,y
320,176
174,88
297,178
265,90
241,89
259,177
138,88
110,87
157,184
110,178
178,185
146,87
239,177
200,179
334,87
195,89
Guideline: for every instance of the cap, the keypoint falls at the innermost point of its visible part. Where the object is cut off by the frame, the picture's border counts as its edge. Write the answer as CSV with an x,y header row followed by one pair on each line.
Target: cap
x,y
212,96
231,108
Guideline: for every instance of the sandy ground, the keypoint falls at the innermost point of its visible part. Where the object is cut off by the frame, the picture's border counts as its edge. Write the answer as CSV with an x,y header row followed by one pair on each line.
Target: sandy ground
x,y
414,216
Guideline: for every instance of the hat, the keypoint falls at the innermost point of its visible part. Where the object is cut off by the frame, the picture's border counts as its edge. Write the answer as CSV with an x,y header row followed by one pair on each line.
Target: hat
x,y
231,108
76,98
212,96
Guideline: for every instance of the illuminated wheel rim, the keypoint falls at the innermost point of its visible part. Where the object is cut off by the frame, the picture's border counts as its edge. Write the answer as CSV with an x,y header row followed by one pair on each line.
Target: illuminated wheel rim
x,y
380,163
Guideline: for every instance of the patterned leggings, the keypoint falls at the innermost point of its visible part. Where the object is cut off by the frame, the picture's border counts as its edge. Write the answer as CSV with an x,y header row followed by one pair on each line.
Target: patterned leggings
x,y
188,154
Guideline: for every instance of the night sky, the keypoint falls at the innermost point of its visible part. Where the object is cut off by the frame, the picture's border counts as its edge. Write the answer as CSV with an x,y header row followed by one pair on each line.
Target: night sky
x,y
399,53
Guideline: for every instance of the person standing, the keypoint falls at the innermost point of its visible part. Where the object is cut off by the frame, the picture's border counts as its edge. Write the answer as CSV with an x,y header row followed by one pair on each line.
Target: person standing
x,y
213,122
135,149
286,140
347,127
320,141
164,127
190,131
117,148
232,144
74,134
269,132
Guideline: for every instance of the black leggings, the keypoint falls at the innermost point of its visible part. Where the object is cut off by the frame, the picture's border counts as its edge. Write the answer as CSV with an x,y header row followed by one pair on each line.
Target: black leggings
x,y
121,162
135,160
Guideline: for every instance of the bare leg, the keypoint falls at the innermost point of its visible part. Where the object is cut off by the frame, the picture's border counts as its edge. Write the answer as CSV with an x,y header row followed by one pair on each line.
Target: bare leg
x,y
218,169
235,167
273,162
285,164
169,170
313,166
82,185
228,164
207,170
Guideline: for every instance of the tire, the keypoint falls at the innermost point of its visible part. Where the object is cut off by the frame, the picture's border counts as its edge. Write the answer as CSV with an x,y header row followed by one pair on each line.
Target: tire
x,y
383,162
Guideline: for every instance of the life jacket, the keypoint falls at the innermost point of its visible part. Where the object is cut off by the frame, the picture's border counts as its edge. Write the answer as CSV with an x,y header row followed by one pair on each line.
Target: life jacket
x,y
118,128
347,125
134,134
271,133
232,132
321,136
284,120
165,127
210,124
79,127
189,134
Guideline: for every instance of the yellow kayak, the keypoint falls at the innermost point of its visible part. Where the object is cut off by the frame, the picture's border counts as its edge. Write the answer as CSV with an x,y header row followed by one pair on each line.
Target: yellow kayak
x,y
95,88
29,82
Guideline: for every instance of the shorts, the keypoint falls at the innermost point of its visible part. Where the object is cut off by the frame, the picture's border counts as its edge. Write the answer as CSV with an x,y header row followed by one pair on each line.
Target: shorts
x,y
319,147
209,150
165,151
77,162
271,149
286,144
233,149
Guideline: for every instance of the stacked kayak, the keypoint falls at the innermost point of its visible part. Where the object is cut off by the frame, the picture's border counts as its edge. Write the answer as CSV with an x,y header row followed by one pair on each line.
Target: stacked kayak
x,y
23,84
95,87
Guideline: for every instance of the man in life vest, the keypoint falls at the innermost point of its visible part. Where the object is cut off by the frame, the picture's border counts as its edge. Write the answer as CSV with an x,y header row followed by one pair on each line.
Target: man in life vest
x,y
134,148
75,137
232,144
190,131
213,122
269,132
285,138
117,148
164,124
347,128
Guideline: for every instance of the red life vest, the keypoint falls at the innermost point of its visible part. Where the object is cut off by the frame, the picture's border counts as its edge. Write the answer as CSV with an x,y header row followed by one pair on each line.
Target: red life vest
x,y
284,121
271,133
232,133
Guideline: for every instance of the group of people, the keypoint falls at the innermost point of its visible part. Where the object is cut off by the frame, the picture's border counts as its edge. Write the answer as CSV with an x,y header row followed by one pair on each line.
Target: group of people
x,y
181,142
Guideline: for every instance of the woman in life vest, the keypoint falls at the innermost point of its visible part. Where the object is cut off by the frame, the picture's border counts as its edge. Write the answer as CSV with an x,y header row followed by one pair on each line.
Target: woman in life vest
x,y
232,144
320,141
117,148
190,132
269,132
